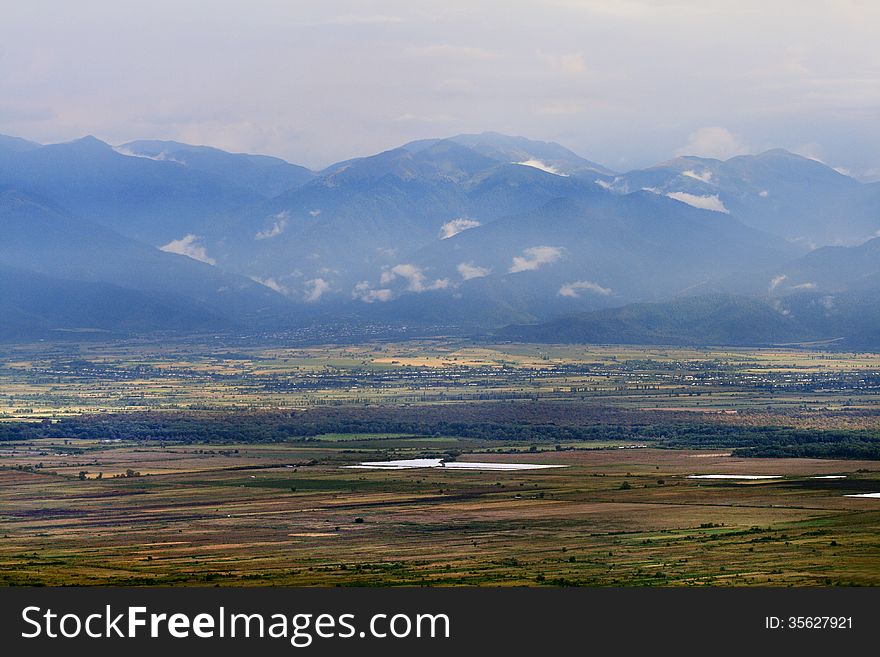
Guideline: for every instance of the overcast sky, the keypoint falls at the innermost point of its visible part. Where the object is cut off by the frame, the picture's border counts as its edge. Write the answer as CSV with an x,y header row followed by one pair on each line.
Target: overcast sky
x,y
626,83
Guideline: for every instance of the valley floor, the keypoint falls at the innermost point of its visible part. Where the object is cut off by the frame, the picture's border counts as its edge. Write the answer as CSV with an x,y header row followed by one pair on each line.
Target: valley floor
x,y
190,465
292,515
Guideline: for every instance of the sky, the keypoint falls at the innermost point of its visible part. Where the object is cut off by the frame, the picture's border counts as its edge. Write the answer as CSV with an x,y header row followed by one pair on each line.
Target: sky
x,y
627,83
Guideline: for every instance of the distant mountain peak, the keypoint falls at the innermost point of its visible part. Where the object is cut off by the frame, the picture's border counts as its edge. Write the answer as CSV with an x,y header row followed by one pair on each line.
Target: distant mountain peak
x,y
90,140
11,144
263,174
781,152
87,144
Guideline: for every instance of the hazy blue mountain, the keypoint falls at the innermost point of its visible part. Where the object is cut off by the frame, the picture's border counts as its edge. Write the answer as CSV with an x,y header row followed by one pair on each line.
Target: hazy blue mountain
x,y
33,306
435,229
719,319
267,176
832,269
571,254
370,213
575,254
473,231
336,231
154,201
829,270
851,322
777,191
38,238
16,144
519,150
511,188
440,159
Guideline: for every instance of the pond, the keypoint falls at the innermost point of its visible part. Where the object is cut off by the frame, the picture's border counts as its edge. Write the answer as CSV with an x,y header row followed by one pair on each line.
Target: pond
x,y
733,476
405,464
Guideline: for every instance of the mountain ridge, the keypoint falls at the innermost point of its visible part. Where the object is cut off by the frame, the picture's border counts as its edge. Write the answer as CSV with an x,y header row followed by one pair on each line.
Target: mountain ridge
x,y
475,230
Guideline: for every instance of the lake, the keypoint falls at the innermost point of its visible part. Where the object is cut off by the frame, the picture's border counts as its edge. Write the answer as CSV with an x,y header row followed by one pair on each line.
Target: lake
x,y
733,476
405,464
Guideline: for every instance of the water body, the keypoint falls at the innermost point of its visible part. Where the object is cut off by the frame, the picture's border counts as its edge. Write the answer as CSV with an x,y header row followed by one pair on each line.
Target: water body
x,y
405,464
469,465
874,495
733,476
829,477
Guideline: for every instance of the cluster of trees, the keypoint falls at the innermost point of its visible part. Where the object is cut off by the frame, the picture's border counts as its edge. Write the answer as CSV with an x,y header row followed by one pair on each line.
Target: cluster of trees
x,y
846,449
528,422
259,428
491,421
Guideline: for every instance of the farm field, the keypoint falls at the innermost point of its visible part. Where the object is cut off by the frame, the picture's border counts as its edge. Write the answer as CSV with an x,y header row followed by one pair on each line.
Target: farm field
x,y
243,514
51,380
183,464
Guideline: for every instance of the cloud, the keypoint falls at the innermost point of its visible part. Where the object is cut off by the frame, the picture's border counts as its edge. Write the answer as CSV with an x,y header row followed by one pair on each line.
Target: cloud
x,y
271,283
775,92
278,225
806,241
620,9
354,20
804,286
469,270
618,186
375,19
775,282
559,109
445,51
424,118
535,257
763,193
414,277
703,176
188,246
315,288
570,63
365,293
572,290
708,202
456,226
538,164
161,157
718,143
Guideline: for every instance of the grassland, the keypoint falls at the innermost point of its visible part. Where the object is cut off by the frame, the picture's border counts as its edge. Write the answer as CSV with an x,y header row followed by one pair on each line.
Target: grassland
x,y
165,511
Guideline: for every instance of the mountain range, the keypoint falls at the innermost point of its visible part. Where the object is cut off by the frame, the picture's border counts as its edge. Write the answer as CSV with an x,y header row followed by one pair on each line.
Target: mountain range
x,y
484,233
